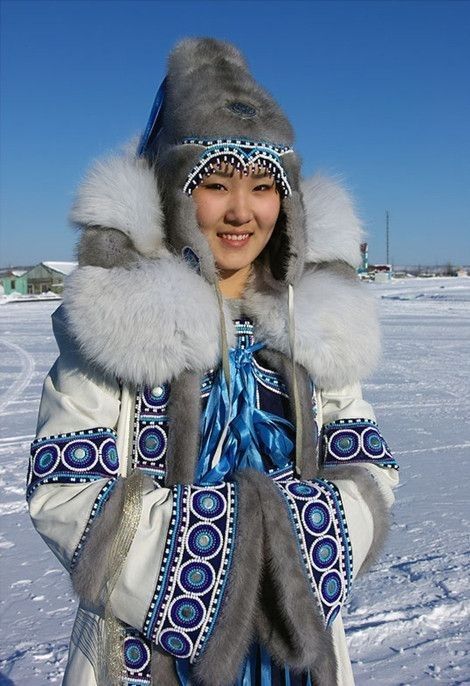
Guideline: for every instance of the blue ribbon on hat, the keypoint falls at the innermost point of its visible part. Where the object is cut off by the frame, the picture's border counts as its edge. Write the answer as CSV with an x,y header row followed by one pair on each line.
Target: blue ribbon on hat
x,y
154,124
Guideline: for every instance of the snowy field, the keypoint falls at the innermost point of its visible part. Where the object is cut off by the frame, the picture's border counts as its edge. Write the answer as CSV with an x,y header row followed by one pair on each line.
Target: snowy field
x,y
409,619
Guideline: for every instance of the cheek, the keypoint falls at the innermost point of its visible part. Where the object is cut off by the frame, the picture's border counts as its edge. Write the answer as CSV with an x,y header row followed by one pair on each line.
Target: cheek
x,y
206,211
271,213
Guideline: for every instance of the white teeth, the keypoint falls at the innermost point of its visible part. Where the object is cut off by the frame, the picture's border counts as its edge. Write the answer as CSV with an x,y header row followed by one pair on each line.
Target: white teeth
x,y
235,237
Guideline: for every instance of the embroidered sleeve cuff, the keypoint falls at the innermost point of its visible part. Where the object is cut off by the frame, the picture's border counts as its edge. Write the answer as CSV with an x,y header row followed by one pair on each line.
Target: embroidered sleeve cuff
x,y
73,458
348,441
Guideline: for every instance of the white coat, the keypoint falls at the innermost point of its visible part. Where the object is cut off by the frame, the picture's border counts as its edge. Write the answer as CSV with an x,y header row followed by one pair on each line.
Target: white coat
x,y
80,396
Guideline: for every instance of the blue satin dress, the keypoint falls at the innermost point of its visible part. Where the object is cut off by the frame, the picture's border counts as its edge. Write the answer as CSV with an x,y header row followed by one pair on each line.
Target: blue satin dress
x,y
260,436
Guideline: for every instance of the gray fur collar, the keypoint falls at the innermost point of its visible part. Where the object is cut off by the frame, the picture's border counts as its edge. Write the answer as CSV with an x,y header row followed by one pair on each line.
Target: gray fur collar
x,y
150,320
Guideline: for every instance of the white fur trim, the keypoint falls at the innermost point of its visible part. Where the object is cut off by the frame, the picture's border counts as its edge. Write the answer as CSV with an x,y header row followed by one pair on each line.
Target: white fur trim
x,y
121,193
336,327
147,324
334,231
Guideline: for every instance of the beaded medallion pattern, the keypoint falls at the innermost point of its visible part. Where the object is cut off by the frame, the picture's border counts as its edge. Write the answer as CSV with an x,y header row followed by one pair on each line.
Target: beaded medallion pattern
x,y
319,523
355,440
137,659
244,155
77,457
196,563
151,431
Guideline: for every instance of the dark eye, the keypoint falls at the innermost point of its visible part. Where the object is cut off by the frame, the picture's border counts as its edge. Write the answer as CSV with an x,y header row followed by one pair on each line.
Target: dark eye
x,y
264,187
214,186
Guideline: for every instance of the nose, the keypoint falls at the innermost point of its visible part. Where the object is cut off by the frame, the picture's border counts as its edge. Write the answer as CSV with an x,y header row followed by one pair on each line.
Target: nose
x,y
239,211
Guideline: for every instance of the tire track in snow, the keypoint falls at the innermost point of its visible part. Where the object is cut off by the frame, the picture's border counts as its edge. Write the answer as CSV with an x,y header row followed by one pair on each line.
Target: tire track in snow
x,y
27,370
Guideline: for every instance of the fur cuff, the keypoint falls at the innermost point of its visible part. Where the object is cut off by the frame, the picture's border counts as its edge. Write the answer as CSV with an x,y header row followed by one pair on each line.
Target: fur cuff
x,y
369,490
290,624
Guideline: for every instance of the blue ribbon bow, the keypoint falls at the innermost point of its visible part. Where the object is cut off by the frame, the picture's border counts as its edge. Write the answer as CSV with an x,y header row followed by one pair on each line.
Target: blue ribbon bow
x,y
255,438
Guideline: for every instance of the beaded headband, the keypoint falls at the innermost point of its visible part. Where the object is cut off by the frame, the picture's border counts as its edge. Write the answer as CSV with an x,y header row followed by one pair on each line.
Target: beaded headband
x,y
244,155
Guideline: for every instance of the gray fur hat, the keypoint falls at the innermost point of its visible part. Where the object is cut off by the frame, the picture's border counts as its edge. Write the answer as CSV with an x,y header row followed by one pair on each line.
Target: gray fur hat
x,y
211,111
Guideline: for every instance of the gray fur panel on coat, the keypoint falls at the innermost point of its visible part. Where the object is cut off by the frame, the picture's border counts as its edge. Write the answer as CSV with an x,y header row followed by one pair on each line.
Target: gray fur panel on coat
x,y
184,412
91,572
289,622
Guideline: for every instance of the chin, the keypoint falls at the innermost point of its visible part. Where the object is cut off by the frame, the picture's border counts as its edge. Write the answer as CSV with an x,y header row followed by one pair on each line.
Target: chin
x,y
234,265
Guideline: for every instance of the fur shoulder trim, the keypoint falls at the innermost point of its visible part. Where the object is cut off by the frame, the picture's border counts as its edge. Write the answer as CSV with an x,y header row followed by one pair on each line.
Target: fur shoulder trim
x,y
149,323
336,325
121,193
334,231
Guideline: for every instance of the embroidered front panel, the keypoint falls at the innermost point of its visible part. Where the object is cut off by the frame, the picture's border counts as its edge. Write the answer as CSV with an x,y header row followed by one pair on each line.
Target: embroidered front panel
x,y
195,568
137,659
355,440
318,519
77,457
151,431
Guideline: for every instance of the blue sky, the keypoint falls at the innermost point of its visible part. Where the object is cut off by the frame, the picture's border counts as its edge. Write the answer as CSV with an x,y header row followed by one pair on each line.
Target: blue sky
x,y
378,93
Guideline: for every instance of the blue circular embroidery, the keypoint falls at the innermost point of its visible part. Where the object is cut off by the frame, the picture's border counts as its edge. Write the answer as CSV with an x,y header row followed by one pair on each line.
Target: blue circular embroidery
x,y
176,643
316,517
331,587
46,460
136,654
187,613
204,541
344,444
196,577
303,490
208,504
109,457
157,397
80,456
152,443
373,443
324,553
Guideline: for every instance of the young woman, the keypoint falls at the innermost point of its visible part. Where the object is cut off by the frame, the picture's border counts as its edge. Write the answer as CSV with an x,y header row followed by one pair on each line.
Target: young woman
x,y
205,466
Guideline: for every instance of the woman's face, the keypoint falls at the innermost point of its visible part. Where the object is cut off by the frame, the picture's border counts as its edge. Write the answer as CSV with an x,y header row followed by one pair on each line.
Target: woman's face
x,y
237,214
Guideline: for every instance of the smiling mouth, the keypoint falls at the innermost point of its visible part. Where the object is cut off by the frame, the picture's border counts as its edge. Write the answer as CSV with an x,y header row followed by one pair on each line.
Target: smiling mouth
x,y
234,240
234,236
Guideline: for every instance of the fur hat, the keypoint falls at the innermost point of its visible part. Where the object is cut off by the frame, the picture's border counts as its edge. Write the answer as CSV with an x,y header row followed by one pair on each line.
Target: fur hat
x,y
211,111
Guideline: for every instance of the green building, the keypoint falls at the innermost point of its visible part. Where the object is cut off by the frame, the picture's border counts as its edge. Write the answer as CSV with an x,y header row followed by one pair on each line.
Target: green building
x,y
45,277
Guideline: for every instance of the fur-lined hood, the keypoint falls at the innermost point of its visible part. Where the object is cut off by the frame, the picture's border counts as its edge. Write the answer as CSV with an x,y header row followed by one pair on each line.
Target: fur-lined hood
x,y
143,314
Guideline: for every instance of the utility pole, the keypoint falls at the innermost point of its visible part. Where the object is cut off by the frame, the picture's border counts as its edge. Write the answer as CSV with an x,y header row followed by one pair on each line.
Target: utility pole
x,y
387,235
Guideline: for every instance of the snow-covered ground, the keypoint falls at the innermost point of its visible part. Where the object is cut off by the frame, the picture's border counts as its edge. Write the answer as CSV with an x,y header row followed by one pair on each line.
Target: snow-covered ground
x,y
409,619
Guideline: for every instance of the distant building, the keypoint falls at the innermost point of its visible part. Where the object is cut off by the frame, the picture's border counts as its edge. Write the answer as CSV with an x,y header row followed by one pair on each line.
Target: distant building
x,y
14,281
43,278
